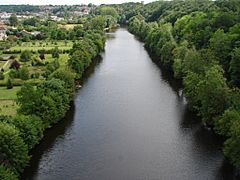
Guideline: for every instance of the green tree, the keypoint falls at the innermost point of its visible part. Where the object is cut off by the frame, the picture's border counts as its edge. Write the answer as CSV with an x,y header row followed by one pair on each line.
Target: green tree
x,y
213,93
13,151
13,20
6,173
221,43
9,84
224,123
235,67
67,77
108,11
49,100
30,128
24,73
232,145
55,52
25,56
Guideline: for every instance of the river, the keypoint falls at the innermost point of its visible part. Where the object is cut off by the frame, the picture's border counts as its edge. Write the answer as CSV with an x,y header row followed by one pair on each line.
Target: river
x,y
128,122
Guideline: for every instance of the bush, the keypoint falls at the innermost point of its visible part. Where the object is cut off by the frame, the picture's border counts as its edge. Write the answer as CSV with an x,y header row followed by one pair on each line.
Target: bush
x,y
35,75
24,73
6,174
13,73
55,52
26,56
9,84
13,151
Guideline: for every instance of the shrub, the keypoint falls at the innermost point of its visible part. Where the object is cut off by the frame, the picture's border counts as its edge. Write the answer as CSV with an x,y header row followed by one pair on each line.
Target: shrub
x,y
26,56
13,73
24,73
55,52
9,84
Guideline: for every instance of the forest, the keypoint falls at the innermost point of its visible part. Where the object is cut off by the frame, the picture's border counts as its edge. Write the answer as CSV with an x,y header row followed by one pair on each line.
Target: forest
x,y
199,42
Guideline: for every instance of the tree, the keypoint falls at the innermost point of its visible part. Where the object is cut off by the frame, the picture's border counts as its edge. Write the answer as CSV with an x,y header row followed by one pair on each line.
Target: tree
x,y
224,123
67,77
9,84
97,23
13,20
42,56
49,100
235,67
25,56
221,44
213,93
15,65
13,151
24,73
6,173
30,128
232,145
55,52
108,11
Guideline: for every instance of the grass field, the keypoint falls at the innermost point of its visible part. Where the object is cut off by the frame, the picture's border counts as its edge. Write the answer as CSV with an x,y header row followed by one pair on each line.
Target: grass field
x,y
38,45
8,105
69,26
9,94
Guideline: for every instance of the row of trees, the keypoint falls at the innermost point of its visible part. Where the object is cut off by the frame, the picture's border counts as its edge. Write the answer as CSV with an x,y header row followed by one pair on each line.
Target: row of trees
x,y
201,47
43,104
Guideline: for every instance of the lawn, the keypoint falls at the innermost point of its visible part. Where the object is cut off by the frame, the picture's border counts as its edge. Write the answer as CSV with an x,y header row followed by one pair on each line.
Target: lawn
x,y
8,105
63,58
38,45
69,26
9,94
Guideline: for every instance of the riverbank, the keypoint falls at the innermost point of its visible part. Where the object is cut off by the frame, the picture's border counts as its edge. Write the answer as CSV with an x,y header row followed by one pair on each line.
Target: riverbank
x,y
42,105
204,84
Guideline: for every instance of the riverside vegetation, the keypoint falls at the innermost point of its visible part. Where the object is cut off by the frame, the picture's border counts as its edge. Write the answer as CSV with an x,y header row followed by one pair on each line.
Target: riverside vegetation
x,y
199,42
38,79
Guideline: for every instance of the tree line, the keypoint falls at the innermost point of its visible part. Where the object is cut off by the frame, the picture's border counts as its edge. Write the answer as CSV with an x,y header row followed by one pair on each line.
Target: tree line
x,y
199,42
42,104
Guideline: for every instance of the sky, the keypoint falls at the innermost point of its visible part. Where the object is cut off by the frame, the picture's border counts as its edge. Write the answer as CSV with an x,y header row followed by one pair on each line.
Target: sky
x,y
68,2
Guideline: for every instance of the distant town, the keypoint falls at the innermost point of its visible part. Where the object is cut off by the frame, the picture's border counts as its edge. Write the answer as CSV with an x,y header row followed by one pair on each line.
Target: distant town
x,y
60,14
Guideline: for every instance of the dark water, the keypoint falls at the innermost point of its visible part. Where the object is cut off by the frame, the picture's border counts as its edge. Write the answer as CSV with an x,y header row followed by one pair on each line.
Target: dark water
x,y
128,122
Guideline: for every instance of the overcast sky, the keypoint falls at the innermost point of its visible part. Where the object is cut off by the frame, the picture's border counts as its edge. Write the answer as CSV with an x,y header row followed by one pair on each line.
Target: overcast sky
x,y
68,2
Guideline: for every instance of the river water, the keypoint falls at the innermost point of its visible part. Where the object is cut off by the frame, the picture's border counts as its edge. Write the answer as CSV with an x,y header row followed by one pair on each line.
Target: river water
x,y
128,122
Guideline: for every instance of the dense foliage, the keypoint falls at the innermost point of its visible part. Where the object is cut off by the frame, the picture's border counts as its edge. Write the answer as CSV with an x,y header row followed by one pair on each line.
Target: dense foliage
x,y
199,42
43,101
